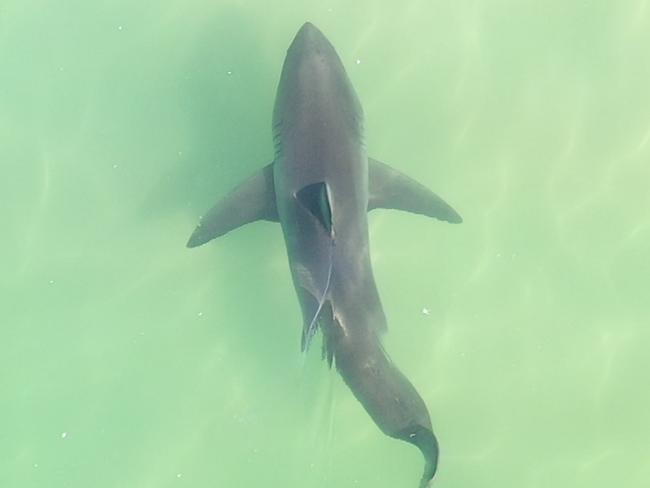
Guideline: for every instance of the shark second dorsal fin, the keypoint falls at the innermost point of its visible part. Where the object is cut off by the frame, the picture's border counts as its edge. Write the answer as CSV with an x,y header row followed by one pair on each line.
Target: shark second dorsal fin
x,y
388,188
253,200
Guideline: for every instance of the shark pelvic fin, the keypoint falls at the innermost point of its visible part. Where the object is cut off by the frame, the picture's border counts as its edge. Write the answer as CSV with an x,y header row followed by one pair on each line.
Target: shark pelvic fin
x,y
253,200
388,188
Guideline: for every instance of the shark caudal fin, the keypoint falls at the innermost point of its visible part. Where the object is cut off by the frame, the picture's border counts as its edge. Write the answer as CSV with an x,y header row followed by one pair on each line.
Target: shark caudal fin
x,y
388,188
384,391
424,439
253,200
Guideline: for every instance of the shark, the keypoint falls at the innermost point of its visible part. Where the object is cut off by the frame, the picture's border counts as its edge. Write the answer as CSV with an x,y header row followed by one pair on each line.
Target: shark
x,y
320,186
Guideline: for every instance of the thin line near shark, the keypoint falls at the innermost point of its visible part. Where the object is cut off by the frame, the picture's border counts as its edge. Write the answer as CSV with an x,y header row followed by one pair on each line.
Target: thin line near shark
x,y
319,187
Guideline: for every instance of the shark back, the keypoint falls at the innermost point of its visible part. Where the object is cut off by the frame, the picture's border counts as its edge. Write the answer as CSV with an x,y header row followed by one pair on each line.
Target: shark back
x,y
321,178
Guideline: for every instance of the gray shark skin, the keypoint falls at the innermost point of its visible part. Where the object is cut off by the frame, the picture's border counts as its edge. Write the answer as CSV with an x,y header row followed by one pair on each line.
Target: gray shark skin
x,y
319,187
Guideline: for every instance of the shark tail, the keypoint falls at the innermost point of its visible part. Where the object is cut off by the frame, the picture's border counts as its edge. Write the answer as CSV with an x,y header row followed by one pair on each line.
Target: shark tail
x,y
428,445
387,395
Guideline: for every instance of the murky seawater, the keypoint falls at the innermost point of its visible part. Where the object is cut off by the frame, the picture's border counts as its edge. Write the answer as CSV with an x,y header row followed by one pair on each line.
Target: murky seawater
x,y
127,360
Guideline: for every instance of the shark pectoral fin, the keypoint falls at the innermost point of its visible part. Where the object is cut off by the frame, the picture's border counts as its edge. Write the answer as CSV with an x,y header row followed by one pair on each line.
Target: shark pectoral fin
x,y
253,200
388,188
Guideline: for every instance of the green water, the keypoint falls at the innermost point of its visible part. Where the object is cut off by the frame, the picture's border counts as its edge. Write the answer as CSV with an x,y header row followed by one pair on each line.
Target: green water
x,y
127,360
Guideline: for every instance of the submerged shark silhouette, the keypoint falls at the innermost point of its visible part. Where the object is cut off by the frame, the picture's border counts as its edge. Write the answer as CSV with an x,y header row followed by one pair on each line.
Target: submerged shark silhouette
x,y
320,186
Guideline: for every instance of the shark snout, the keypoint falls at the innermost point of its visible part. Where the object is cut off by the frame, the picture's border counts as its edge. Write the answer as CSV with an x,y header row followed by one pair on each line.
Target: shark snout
x,y
310,38
308,30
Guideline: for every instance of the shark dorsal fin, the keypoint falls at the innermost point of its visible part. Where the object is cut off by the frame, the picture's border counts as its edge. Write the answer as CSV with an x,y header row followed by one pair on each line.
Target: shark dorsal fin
x,y
315,198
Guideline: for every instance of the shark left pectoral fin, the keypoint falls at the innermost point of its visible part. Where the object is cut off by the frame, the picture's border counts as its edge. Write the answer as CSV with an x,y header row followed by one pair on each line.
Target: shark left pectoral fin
x,y
253,200
388,188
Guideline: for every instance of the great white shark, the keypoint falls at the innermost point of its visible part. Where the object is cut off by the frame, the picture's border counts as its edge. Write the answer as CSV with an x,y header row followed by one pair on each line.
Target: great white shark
x,y
319,187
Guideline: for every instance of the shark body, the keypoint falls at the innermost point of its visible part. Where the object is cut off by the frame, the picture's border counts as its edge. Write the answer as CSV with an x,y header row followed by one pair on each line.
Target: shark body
x,y
319,187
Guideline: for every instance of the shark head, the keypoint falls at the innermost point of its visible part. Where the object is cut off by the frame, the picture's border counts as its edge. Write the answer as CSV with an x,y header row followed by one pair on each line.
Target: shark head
x,y
311,42
314,77
311,57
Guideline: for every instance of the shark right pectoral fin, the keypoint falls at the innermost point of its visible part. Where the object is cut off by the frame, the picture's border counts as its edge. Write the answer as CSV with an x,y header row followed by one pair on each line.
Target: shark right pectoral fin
x,y
253,200
388,188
